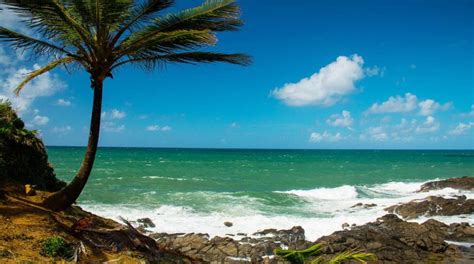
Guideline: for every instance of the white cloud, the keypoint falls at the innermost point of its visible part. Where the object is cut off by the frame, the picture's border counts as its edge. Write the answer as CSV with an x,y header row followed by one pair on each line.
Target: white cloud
x,y
166,128
378,133
341,120
113,127
469,114
153,128
461,129
63,102
61,129
429,107
395,104
113,114
46,84
40,120
408,103
325,136
429,126
326,87
374,71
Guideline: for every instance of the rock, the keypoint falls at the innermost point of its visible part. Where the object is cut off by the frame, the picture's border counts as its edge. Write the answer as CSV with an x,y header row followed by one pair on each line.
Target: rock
x,y
433,205
345,226
462,183
393,240
146,222
29,190
228,224
363,205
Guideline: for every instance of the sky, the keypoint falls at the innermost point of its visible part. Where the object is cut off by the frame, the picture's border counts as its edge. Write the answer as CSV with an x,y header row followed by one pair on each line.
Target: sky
x,y
325,75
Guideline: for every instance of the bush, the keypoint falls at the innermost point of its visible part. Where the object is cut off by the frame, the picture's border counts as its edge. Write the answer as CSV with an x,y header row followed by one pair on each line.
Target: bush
x,y
56,246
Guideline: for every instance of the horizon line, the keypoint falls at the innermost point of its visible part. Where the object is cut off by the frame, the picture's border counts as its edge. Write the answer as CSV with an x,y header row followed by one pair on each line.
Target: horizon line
x,y
256,148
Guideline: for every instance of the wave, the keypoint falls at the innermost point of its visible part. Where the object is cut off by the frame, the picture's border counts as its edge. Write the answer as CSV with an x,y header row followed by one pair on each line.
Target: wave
x,y
171,178
320,211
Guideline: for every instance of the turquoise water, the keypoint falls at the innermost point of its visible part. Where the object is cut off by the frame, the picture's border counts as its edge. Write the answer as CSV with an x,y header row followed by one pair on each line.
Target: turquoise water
x,y
280,187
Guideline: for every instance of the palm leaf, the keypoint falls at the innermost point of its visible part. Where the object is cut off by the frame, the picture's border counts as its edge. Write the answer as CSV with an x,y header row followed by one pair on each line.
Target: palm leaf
x,y
21,41
40,71
353,254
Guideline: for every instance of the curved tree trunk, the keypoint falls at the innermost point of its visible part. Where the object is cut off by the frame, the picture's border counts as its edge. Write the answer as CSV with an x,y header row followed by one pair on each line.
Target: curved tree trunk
x,y
68,195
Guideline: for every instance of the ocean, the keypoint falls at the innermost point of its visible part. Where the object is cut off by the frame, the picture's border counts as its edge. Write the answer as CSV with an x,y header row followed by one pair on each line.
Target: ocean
x,y
197,190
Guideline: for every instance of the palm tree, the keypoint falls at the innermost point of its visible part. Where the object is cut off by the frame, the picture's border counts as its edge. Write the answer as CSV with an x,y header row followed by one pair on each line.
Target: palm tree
x,y
101,36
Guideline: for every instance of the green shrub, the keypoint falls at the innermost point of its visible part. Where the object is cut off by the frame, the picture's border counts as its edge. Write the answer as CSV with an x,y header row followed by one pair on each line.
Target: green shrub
x,y
23,157
56,246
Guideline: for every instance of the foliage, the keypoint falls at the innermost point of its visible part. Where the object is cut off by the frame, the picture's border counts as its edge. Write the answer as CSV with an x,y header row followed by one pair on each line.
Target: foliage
x,y
56,246
23,156
315,256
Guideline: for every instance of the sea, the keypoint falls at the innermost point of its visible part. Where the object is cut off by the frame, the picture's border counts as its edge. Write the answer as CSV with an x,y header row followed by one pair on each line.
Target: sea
x,y
197,190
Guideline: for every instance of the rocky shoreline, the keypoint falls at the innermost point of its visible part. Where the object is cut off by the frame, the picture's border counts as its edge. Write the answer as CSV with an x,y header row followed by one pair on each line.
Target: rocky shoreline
x,y
390,238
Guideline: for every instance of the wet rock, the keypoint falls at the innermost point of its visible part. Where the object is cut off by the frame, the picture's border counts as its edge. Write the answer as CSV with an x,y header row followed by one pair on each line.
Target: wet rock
x,y
362,205
462,183
146,222
393,240
232,250
433,205
345,226
228,224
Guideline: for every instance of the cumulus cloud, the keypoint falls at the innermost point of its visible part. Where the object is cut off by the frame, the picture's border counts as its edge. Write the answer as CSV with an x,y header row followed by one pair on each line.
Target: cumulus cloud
x,y
61,129
461,129
113,127
408,103
154,128
113,114
46,84
326,87
429,107
374,71
40,120
429,126
325,136
341,120
395,104
469,114
63,102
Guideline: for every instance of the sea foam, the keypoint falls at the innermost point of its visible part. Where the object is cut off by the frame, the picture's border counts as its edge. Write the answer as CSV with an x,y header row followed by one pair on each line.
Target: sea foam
x,y
320,212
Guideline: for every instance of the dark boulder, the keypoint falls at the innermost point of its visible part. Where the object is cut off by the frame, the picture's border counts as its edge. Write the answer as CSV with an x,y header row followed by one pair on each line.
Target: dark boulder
x,y
393,240
433,205
462,183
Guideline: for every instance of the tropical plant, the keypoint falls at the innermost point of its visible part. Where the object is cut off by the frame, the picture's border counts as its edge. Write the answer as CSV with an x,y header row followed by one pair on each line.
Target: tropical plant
x,y
100,36
314,255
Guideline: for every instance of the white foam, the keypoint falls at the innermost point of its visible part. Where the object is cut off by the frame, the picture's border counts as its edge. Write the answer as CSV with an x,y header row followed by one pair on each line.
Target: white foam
x,y
338,193
321,211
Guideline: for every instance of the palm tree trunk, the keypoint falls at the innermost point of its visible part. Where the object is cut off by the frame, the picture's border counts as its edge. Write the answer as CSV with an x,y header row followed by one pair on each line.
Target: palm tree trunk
x,y
68,195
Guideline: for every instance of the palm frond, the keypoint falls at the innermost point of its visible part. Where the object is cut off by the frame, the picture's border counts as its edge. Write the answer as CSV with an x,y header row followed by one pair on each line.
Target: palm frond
x,y
166,42
151,62
215,15
20,41
40,71
353,254
299,256
142,13
51,19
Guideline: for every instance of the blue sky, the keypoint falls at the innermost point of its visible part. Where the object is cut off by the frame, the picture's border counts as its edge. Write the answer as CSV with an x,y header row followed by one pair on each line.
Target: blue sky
x,y
326,74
